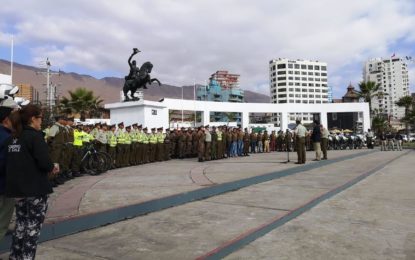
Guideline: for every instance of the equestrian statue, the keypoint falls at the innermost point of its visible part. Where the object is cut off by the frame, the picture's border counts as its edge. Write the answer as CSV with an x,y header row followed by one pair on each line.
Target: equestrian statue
x,y
137,78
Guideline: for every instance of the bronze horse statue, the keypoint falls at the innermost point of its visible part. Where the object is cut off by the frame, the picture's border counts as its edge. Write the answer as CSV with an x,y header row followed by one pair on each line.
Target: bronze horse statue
x,y
138,81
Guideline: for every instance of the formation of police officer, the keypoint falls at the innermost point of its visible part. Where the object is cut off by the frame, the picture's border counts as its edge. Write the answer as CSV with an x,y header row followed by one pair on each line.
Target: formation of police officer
x,y
213,143
127,146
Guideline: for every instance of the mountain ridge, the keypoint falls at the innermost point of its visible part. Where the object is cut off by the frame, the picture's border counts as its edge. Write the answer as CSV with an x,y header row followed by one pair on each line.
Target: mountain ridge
x,y
107,88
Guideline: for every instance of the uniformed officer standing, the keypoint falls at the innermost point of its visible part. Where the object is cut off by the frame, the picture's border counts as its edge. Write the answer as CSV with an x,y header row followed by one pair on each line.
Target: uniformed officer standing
x,y
253,140
201,144
228,143
140,140
194,142
120,134
112,146
101,138
265,140
260,143
160,144
58,136
214,148
189,143
182,143
300,133
288,140
133,146
77,155
152,137
208,143
219,144
127,142
246,142
273,139
146,146
173,144
167,145
69,146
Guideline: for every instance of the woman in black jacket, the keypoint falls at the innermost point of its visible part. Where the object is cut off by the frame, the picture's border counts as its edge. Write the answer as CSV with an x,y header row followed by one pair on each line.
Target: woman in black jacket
x,y
28,165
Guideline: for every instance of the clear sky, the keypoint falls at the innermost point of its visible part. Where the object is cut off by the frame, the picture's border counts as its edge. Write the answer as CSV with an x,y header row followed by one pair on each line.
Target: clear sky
x,y
187,41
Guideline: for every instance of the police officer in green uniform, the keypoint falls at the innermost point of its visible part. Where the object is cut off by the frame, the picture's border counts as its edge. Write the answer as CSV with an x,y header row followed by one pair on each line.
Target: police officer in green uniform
x,y
160,144
152,139
57,137
146,145
167,145
140,139
134,144
127,156
120,134
77,147
112,145
214,148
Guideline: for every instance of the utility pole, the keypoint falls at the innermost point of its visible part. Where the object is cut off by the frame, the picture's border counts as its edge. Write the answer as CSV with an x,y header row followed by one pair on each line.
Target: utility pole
x,y
50,93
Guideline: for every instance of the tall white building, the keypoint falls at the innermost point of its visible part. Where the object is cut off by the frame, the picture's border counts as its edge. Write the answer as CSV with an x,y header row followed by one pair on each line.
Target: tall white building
x,y
392,75
298,82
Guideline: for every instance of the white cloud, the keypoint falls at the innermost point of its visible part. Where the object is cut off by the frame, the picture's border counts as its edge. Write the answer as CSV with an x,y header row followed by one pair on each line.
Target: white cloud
x,y
189,40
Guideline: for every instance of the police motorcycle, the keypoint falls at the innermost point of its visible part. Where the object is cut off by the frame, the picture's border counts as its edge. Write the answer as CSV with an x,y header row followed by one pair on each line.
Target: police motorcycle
x,y
359,141
331,139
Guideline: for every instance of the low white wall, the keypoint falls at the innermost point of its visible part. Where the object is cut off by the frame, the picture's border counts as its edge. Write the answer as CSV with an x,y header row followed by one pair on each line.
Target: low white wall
x,y
128,111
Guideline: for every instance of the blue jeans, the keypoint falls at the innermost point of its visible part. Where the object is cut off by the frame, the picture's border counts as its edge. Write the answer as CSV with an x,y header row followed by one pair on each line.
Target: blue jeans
x,y
240,147
234,149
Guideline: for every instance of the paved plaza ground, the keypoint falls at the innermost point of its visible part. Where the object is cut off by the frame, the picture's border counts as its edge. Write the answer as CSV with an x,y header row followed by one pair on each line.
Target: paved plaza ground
x,y
359,204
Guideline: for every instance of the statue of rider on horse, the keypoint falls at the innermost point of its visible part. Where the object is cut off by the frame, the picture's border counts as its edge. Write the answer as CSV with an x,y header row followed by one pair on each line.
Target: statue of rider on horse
x,y
137,78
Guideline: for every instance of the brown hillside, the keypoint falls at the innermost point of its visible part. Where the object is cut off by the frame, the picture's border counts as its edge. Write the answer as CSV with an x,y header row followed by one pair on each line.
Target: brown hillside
x,y
107,88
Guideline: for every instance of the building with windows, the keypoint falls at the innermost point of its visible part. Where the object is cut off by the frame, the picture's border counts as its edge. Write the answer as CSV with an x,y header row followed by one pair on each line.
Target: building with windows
x,y
298,82
28,92
392,75
222,87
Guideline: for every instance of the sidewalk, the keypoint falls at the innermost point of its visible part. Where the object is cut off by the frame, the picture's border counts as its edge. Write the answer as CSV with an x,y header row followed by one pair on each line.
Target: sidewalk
x,y
191,230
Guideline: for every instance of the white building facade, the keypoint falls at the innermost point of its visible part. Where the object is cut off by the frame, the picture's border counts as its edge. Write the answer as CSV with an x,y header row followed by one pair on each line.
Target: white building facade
x,y
156,114
392,75
298,82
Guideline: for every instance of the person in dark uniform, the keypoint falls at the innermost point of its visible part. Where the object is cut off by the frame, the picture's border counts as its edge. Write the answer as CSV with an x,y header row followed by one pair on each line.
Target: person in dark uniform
x,y
253,140
189,143
146,146
160,144
214,149
182,143
167,143
201,144
246,140
153,144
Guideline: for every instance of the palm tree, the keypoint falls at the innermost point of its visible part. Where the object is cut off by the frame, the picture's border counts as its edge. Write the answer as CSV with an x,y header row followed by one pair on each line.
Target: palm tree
x,y
379,124
407,102
81,101
368,90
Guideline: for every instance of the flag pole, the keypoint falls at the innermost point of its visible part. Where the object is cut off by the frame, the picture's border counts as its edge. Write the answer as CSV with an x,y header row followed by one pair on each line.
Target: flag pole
x,y
11,60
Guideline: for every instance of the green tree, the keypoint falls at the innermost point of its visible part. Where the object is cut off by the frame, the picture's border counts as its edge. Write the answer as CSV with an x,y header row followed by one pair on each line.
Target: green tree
x,y
368,90
83,102
379,124
407,102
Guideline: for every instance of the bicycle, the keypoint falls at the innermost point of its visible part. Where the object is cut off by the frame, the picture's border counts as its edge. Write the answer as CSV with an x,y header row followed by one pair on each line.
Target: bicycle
x,y
94,161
